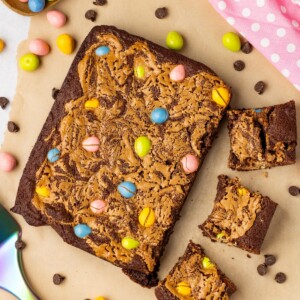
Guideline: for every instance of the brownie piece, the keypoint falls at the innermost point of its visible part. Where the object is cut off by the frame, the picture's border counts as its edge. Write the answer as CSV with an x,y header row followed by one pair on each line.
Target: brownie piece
x,y
240,217
114,84
196,277
262,138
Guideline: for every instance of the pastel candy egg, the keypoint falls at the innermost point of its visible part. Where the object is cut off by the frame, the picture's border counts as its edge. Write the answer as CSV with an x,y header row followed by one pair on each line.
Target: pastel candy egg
x,y
100,298
174,40
147,217
242,191
221,96
91,144
127,189
102,50
231,41
42,191
2,45
91,104
206,263
190,163
82,230
36,5
24,1
56,18
39,47
139,72
97,206
178,73
130,243
7,162
183,288
159,115
53,155
29,62
142,146
65,43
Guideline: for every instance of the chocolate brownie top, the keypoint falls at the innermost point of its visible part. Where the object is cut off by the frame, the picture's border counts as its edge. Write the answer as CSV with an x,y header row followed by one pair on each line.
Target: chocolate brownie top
x,y
114,105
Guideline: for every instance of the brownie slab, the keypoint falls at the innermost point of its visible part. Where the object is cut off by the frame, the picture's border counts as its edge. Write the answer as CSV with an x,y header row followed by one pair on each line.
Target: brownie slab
x,y
84,176
239,217
196,277
262,138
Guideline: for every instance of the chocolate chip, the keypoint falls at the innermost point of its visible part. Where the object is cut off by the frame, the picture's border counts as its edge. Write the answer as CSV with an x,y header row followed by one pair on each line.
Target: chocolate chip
x,y
161,12
20,245
100,2
248,255
91,15
294,190
280,277
260,87
58,279
55,92
262,269
270,260
239,65
12,127
3,102
246,47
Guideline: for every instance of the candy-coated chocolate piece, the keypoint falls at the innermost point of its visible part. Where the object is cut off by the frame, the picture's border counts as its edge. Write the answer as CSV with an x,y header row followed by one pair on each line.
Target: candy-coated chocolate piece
x,y
206,263
36,5
24,1
97,206
220,235
190,163
29,62
56,18
221,96
178,73
53,155
242,191
2,45
130,243
65,43
7,162
39,47
183,288
42,191
174,40
127,189
100,298
91,104
102,50
82,230
142,146
258,110
139,72
231,41
91,144
159,115
147,217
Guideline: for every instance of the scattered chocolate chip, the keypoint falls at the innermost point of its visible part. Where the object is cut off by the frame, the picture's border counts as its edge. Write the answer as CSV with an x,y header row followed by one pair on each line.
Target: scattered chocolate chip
x,y
262,269
100,2
260,87
270,260
58,279
12,127
246,48
280,277
239,65
3,102
20,245
161,12
248,255
91,15
294,190
55,92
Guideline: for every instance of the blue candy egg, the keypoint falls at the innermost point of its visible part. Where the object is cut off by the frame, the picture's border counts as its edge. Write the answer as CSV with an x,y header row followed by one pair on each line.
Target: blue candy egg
x,y
159,115
36,5
127,189
258,110
103,50
82,230
53,155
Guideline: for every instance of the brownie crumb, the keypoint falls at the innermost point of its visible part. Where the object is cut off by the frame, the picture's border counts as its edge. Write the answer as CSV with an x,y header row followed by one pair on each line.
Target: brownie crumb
x,y
246,47
270,260
161,12
91,15
3,102
239,65
100,2
20,245
262,269
12,127
294,190
249,256
260,87
280,277
55,92
58,279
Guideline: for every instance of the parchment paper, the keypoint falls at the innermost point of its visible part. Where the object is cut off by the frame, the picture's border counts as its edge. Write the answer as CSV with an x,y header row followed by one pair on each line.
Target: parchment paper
x,y
88,276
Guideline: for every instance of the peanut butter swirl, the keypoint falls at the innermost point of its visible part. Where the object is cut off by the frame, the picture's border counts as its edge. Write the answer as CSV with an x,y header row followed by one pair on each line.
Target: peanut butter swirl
x,y
125,104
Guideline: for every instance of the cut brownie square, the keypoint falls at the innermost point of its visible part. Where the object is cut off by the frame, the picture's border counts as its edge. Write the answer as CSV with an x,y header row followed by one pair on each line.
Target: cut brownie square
x,y
120,149
240,218
262,138
196,277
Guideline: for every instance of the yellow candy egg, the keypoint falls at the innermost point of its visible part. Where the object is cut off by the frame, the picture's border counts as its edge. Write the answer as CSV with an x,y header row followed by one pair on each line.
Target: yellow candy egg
x,y
42,191
206,263
220,235
183,288
147,217
91,104
65,43
142,146
2,45
221,96
242,191
100,298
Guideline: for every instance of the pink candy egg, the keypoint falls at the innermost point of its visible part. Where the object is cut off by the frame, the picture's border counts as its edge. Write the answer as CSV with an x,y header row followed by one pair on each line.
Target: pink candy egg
x,y
178,73
7,162
23,0
56,18
91,144
39,47
190,163
97,206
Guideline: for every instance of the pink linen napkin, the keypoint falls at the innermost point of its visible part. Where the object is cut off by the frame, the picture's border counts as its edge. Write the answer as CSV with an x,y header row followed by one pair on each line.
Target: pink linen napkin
x,y
272,26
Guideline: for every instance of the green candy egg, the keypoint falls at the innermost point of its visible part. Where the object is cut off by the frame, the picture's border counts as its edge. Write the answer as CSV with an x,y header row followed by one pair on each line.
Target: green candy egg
x,y
142,146
231,41
130,243
174,40
139,72
29,62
